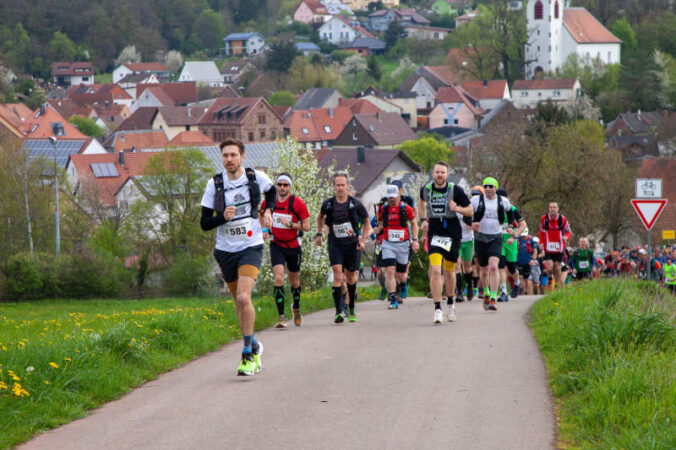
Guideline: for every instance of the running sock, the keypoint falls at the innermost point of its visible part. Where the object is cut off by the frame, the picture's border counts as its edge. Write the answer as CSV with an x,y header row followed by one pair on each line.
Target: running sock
x,y
401,287
437,305
279,299
352,294
487,292
459,283
392,296
296,297
503,288
450,300
517,281
469,279
494,295
337,293
248,340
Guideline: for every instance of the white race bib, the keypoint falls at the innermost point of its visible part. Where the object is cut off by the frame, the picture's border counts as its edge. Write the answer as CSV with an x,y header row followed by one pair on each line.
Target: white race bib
x,y
553,247
343,230
441,242
239,229
277,220
395,235
584,264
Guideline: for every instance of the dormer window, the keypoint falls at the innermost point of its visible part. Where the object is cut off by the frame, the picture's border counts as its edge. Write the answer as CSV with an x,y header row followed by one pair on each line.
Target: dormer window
x,y
538,10
327,128
305,130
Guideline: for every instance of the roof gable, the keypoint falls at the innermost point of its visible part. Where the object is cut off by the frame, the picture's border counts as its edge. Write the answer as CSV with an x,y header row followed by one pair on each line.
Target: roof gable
x,y
385,128
483,90
585,29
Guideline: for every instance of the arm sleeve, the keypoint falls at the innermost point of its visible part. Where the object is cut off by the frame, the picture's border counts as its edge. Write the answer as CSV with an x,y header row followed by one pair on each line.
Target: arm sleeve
x,y
361,212
459,196
267,187
209,221
517,215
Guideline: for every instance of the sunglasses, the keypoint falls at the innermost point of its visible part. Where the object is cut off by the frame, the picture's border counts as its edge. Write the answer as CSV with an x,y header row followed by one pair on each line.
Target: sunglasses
x,y
283,184
489,186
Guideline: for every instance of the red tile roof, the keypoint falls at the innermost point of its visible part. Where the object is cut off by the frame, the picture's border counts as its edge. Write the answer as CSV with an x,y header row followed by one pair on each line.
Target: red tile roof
x,y
386,128
322,124
480,90
68,108
585,29
141,139
456,94
315,6
180,93
364,32
191,137
182,115
107,187
16,114
147,67
141,119
360,106
444,73
75,68
229,110
554,83
40,125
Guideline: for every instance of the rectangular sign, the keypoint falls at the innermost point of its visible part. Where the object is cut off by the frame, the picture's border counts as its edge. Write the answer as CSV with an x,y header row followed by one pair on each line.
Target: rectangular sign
x,y
648,188
668,234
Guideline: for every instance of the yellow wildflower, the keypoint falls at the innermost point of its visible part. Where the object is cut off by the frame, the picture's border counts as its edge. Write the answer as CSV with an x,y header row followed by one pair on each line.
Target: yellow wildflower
x,y
3,386
47,382
54,365
67,359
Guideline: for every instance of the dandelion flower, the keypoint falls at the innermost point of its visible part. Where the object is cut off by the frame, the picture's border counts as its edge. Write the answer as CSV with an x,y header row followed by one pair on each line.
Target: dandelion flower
x,y
53,365
67,359
3,386
47,382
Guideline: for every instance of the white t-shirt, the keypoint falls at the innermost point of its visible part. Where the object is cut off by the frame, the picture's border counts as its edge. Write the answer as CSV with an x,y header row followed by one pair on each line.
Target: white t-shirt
x,y
490,223
242,231
467,232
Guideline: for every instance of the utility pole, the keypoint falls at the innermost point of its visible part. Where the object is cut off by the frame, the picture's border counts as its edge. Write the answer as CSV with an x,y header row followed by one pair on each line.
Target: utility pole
x,y
52,140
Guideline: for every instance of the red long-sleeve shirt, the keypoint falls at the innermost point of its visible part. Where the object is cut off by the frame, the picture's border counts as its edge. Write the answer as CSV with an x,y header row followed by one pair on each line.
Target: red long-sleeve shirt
x,y
551,236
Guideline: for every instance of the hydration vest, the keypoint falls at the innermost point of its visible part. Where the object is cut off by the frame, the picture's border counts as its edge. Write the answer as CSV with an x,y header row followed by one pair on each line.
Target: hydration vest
x,y
402,215
503,216
254,192
351,213
447,214
560,222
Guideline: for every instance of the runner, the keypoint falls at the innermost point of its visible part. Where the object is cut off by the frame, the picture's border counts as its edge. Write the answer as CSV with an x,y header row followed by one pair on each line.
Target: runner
x,y
439,203
290,219
509,251
490,212
554,235
378,255
670,273
583,261
234,195
342,214
527,261
394,219
465,277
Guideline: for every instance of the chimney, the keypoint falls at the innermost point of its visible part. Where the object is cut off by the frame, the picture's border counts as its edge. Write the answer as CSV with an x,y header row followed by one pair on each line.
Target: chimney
x,y
485,82
331,113
361,154
188,112
122,157
42,109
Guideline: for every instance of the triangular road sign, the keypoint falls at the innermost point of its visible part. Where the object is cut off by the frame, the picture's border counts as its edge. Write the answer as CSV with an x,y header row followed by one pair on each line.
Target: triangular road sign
x,y
649,210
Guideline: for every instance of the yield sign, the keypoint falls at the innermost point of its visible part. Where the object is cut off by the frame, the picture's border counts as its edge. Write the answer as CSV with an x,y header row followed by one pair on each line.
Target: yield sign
x,y
649,210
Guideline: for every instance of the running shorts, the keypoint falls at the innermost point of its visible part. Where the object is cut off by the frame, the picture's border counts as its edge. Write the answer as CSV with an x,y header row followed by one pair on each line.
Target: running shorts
x,y
485,250
290,256
467,251
345,255
233,264
555,257
395,251
524,270
450,254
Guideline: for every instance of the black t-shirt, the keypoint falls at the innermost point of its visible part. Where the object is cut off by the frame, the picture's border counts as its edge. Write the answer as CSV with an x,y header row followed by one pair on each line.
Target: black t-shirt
x,y
340,216
452,224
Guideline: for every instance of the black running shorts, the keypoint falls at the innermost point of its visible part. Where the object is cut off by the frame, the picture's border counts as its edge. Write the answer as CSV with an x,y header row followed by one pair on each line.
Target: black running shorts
x,y
345,255
231,262
556,257
485,250
292,257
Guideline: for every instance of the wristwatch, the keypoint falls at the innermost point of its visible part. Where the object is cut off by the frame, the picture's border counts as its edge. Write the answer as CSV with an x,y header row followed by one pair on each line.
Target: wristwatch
x,y
319,235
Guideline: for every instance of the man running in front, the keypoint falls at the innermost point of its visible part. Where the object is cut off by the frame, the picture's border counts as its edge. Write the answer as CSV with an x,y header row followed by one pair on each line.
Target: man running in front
x,y
439,203
394,218
342,214
490,212
583,261
290,219
554,236
234,196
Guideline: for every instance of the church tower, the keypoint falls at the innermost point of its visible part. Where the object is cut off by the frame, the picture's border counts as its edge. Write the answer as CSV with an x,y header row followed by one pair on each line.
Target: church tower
x,y
544,19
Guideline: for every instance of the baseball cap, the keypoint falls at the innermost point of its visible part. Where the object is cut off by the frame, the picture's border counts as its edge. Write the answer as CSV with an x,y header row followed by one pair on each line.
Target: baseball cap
x,y
536,240
398,183
392,191
524,232
491,181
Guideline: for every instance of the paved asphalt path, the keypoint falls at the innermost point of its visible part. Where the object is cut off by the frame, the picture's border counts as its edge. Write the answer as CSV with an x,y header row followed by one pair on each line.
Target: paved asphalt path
x,y
392,380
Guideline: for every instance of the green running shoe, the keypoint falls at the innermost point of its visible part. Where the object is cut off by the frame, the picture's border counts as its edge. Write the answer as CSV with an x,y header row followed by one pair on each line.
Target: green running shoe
x,y
248,365
352,317
339,318
257,356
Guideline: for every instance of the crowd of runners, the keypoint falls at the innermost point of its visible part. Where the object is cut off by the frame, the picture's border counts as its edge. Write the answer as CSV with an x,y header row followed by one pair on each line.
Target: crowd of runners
x,y
478,244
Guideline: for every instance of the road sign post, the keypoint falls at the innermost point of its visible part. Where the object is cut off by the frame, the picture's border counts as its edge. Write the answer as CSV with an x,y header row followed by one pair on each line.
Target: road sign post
x,y
648,211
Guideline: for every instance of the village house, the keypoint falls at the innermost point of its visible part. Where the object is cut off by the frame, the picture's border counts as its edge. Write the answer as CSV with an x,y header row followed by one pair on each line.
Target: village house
x,y
202,73
318,98
425,82
158,69
165,94
249,119
337,30
528,93
133,141
175,119
364,46
243,44
99,94
130,81
455,107
311,12
317,128
426,33
233,70
67,74
380,20
378,130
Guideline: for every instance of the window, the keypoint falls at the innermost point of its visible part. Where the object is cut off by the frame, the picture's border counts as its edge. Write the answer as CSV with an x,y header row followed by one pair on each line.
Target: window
x,y
539,94
85,78
262,134
327,129
455,121
261,118
305,130
538,10
445,121
524,93
556,10
251,136
608,57
557,93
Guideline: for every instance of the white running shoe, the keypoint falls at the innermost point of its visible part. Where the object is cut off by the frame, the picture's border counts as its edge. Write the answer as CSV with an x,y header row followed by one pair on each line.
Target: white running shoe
x,y
452,315
438,316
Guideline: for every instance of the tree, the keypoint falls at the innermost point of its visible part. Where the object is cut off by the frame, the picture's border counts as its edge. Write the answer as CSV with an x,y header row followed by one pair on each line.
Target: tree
x,y
311,183
622,29
282,98
87,126
281,55
128,55
394,32
173,60
62,48
209,29
373,67
426,151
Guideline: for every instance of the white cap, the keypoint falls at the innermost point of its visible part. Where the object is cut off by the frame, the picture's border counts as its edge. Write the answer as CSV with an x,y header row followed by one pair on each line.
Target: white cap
x,y
536,240
392,191
525,232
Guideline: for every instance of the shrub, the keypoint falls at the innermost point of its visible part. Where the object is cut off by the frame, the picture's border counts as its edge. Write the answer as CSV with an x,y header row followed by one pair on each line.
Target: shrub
x,y
23,278
188,275
89,275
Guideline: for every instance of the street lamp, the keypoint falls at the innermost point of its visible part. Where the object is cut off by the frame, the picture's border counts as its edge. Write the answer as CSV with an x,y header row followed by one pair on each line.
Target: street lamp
x,y
52,140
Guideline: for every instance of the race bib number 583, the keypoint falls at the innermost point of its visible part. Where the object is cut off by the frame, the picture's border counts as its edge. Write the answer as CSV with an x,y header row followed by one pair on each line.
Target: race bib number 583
x,y
238,229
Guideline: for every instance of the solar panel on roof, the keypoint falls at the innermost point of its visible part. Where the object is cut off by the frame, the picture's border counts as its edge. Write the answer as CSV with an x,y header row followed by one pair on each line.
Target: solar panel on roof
x,y
104,170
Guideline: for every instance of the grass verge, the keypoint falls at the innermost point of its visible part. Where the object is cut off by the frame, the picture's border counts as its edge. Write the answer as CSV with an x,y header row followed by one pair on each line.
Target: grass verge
x,y
60,358
610,350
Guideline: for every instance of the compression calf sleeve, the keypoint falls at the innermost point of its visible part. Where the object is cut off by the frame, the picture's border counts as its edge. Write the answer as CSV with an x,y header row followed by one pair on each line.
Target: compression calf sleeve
x,y
468,279
279,299
337,293
296,297
352,294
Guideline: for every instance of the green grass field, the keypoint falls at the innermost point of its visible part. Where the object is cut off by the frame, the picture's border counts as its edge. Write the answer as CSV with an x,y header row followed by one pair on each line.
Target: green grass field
x,y
610,350
60,358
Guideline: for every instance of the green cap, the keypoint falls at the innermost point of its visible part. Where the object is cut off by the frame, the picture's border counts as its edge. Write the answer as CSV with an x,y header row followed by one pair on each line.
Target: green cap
x,y
491,181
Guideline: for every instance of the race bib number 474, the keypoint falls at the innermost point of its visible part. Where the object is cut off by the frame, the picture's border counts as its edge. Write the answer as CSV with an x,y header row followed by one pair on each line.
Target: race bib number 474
x,y
441,242
238,229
